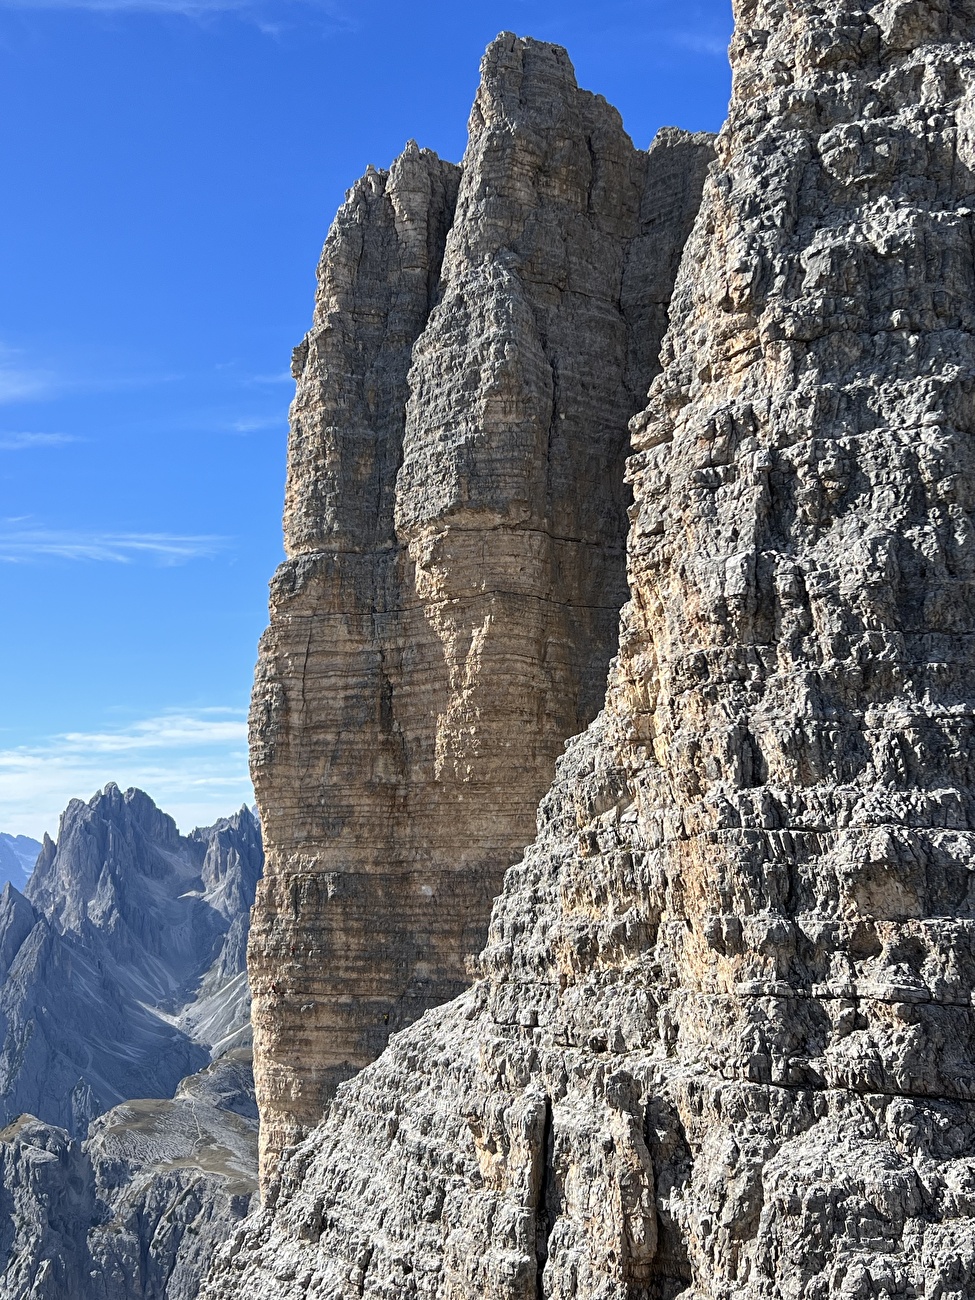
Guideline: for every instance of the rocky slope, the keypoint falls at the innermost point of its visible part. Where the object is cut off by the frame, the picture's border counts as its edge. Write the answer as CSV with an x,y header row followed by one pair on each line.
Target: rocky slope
x,y
75,1039
136,1211
722,1046
160,908
455,524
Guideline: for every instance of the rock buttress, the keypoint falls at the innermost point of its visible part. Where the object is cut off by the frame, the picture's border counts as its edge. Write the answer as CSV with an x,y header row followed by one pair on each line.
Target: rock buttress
x,y
723,1046
455,527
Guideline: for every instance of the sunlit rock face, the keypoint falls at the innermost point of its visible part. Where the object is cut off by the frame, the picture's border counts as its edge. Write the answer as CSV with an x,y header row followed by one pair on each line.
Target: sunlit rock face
x,y
18,853
455,523
722,1046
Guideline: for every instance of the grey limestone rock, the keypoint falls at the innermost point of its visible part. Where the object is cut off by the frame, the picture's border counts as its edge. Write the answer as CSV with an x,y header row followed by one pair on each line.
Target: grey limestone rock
x,y
75,1038
122,970
155,905
122,975
722,1047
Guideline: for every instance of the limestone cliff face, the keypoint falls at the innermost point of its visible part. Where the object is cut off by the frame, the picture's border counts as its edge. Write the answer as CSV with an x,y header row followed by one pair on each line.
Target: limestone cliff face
x,y
455,525
723,1046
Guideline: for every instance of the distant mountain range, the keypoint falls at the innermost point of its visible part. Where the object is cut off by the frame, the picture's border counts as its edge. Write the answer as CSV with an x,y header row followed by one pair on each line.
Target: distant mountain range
x,y
122,963
126,1089
18,853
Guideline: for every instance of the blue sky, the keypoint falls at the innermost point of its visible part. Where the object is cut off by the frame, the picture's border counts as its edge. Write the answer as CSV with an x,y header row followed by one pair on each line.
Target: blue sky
x,y
171,168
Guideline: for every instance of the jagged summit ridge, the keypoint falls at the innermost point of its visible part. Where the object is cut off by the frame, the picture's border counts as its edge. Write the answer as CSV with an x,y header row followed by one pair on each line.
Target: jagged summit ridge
x,y
723,1043
454,522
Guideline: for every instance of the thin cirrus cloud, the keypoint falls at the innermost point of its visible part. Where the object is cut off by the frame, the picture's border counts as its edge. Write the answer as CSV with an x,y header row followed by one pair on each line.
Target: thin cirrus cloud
x,y
257,423
168,731
190,8
193,764
29,441
715,44
20,381
23,545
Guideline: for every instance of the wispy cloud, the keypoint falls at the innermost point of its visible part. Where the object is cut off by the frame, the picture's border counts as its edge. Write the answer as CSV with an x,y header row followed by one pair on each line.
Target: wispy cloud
x,y
28,441
193,8
19,380
255,423
24,379
165,732
22,545
193,763
715,44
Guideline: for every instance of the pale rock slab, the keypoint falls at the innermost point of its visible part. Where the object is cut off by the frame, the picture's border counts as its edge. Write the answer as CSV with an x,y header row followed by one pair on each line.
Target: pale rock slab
x,y
18,853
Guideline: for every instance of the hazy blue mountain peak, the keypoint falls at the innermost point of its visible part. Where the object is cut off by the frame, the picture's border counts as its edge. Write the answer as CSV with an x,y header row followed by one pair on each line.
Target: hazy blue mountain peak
x,y
18,853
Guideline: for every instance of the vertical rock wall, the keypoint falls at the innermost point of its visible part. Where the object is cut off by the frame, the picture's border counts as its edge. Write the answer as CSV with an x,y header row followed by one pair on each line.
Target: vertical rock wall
x,y
326,755
455,523
723,1047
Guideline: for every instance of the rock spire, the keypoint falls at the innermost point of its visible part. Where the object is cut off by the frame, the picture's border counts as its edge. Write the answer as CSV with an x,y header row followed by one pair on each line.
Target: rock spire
x,y
122,964
455,525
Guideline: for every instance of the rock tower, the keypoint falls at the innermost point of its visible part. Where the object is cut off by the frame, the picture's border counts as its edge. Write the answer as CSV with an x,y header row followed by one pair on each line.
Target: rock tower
x,y
455,525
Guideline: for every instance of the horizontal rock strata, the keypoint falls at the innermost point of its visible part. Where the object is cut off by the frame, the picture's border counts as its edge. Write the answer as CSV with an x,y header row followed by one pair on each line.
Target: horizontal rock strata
x,y
723,1044
454,523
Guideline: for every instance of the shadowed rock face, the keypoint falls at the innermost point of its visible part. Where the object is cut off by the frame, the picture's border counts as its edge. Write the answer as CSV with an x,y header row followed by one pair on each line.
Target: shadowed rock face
x,y
75,1038
157,905
723,1044
455,523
